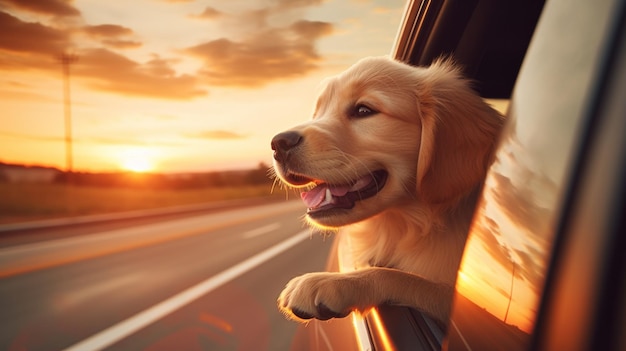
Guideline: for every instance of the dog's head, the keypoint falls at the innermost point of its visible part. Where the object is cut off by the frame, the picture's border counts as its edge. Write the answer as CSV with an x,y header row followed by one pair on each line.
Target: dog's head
x,y
384,133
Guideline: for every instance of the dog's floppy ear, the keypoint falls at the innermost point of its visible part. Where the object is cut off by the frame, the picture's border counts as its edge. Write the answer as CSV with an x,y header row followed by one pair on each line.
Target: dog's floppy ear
x,y
459,132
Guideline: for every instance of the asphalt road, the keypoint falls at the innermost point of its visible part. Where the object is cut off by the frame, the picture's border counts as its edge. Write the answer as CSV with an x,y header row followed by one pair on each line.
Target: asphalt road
x,y
202,282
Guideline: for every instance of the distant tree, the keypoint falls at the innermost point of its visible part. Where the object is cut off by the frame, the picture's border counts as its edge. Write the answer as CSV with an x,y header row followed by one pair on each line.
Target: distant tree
x,y
258,175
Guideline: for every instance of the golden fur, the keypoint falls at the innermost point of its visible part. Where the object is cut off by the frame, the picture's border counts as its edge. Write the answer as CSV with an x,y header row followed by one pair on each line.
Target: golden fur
x,y
428,139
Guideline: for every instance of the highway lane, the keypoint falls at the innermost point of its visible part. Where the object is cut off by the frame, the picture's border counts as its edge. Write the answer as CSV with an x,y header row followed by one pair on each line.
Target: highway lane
x,y
68,292
12,234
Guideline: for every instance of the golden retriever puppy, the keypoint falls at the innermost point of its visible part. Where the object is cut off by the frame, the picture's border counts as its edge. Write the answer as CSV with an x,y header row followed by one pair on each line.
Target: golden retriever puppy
x,y
394,157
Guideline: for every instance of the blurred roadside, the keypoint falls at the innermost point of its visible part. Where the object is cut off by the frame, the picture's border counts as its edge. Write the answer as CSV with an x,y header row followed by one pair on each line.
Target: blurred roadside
x,y
31,198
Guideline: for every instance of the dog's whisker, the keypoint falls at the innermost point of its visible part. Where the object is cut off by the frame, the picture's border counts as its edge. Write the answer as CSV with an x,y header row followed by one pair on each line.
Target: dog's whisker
x,y
350,161
407,189
272,175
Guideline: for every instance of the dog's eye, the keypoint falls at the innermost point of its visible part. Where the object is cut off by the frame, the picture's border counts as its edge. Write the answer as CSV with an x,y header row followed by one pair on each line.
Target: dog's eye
x,y
363,111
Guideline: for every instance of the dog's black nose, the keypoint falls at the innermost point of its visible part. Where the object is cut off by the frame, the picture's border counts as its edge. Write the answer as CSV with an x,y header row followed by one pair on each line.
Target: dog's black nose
x,y
283,142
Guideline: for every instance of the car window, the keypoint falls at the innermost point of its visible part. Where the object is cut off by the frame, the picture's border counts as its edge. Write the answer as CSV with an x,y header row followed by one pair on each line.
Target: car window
x,y
500,281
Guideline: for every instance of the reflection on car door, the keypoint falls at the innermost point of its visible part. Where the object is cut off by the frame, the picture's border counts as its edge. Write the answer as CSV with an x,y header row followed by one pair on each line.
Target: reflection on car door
x,y
508,254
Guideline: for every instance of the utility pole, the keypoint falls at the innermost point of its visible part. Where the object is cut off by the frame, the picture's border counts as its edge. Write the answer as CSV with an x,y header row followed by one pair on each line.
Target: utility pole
x,y
506,315
66,61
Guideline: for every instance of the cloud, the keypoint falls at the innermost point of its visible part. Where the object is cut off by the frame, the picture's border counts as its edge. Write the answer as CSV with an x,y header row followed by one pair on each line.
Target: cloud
x,y
520,205
268,54
127,142
525,195
209,13
519,201
17,84
292,4
261,45
529,262
520,198
217,135
44,7
28,45
89,140
255,47
107,31
122,44
531,268
487,230
46,138
112,35
108,71
17,36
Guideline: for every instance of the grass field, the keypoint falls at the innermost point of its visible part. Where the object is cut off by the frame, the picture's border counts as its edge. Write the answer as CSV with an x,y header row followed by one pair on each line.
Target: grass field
x,y
24,202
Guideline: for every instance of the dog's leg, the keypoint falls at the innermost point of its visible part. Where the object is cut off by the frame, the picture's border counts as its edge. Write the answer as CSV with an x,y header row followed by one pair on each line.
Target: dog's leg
x,y
330,295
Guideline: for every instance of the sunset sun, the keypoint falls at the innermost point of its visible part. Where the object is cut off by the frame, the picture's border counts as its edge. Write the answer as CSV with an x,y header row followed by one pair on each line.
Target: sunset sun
x,y
137,165
137,161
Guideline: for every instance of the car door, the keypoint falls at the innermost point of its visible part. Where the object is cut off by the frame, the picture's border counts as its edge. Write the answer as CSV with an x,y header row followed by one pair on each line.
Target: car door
x,y
543,266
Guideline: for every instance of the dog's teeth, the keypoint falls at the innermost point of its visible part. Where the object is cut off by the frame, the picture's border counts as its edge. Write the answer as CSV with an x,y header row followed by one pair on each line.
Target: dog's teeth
x,y
361,183
328,198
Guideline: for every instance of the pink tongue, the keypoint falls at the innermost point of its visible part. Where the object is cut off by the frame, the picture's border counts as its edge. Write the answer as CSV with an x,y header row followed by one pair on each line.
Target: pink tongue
x,y
339,190
316,196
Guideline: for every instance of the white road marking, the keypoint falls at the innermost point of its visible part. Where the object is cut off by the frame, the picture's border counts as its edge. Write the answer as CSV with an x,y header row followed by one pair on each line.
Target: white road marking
x,y
28,257
261,230
461,336
124,328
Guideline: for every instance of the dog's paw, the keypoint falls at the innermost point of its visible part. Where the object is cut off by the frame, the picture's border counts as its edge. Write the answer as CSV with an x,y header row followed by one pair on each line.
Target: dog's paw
x,y
318,295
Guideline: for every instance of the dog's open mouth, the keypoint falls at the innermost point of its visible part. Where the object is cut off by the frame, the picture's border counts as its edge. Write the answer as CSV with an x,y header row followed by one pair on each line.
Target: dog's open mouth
x,y
326,196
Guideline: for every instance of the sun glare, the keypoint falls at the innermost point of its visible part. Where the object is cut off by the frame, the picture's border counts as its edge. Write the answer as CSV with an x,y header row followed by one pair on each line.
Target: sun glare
x,y
137,161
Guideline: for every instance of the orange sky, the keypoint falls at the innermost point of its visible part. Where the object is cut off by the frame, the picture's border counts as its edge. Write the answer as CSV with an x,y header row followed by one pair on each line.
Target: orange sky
x,y
508,248
173,85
